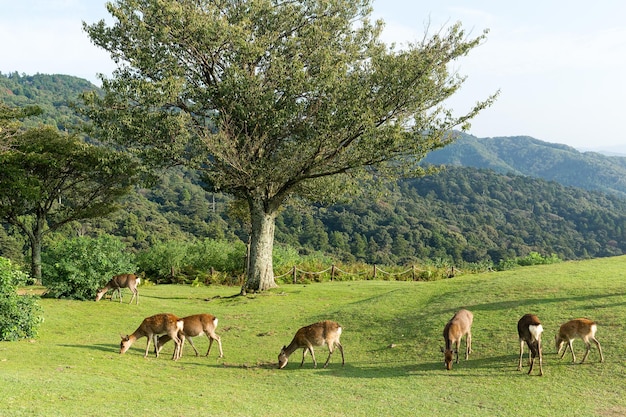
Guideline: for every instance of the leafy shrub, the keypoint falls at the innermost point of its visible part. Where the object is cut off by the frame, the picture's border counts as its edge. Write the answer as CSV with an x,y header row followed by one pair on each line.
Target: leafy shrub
x,y
163,261
184,262
534,258
221,255
20,315
76,268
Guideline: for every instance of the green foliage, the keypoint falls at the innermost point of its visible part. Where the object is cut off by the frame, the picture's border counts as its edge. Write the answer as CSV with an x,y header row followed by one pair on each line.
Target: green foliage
x,y
179,261
77,268
53,94
49,179
535,258
20,315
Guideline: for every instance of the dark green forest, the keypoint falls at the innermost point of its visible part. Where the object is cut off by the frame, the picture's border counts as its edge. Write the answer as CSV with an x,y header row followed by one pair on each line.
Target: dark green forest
x,y
462,215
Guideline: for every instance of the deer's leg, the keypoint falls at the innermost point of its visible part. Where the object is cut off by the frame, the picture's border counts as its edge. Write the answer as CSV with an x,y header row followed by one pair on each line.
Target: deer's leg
x,y
571,348
304,351
134,297
587,349
148,346
191,343
313,356
219,344
599,348
343,362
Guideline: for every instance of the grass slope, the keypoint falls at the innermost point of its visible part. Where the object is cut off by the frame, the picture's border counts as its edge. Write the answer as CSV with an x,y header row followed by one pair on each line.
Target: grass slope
x,y
74,368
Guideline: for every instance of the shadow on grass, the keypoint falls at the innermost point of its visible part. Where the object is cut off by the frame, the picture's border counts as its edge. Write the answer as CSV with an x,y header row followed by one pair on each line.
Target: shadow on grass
x,y
534,302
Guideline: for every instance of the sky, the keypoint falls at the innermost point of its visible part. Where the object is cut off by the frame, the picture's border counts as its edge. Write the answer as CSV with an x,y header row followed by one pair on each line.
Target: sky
x,y
558,64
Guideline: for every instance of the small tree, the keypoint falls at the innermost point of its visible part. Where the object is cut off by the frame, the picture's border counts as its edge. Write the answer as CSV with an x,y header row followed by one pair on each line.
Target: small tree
x,y
275,100
48,179
77,268
20,315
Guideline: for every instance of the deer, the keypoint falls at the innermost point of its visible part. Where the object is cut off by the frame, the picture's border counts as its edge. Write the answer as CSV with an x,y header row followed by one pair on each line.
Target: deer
x,y
459,325
584,329
153,326
316,334
193,326
529,329
130,281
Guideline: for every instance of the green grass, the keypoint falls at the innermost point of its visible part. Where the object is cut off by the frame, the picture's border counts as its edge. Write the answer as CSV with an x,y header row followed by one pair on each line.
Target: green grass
x,y
74,368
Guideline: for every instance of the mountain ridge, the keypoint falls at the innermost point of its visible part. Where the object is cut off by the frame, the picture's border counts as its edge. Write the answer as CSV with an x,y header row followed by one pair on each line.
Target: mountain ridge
x,y
525,155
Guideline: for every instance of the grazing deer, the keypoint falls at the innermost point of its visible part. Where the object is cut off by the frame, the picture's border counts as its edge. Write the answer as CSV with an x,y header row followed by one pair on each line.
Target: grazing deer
x,y
584,329
529,329
193,326
118,282
153,326
316,334
459,325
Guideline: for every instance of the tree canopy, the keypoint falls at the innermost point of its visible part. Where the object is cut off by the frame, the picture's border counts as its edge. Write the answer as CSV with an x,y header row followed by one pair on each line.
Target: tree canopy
x,y
48,179
275,100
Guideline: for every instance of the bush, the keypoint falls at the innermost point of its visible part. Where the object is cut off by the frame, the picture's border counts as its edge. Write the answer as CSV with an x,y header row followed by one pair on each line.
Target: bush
x,y
20,315
77,268
184,262
163,261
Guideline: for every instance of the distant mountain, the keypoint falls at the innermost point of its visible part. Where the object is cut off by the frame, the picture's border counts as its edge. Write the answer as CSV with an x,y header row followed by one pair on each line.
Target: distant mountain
x,y
523,155
608,151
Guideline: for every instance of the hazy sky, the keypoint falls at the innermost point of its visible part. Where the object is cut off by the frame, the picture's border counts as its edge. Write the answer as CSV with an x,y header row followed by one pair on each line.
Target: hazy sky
x,y
559,64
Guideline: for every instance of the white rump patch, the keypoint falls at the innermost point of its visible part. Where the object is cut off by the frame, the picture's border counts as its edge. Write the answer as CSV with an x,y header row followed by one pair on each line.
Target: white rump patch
x,y
339,330
536,331
138,281
215,322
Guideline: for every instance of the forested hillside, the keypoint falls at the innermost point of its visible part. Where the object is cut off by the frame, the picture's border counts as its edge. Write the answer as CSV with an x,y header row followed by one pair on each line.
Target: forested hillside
x,y
528,156
53,93
461,215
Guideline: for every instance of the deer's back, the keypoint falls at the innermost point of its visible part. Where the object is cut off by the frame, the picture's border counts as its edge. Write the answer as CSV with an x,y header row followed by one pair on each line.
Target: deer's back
x,y
318,333
458,325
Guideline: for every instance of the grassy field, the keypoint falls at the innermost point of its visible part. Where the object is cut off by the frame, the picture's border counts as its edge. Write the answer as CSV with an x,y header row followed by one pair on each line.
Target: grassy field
x,y
392,339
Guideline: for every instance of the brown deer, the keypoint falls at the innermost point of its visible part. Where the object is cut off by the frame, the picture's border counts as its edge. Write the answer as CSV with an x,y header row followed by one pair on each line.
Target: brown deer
x,y
153,326
584,329
529,329
459,325
316,334
130,281
193,326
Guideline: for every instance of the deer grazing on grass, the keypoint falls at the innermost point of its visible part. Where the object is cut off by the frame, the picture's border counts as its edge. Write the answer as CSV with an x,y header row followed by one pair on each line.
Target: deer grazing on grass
x,y
130,281
529,329
316,334
584,329
193,326
153,326
459,325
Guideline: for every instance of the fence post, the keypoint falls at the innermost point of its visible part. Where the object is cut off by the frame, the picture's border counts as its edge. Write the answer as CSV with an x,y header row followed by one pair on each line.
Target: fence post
x,y
332,272
413,272
374,271
294,274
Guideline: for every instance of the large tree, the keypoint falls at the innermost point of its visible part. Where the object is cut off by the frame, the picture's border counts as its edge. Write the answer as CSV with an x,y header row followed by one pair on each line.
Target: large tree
x,y
49,178
275,99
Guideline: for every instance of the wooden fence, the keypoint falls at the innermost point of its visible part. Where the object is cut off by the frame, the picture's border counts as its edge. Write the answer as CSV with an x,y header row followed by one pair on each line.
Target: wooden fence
x,y
376,270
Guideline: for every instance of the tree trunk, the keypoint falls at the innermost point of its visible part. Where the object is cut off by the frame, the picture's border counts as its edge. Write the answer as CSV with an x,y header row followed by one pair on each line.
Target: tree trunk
x,y
260,274
36,238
